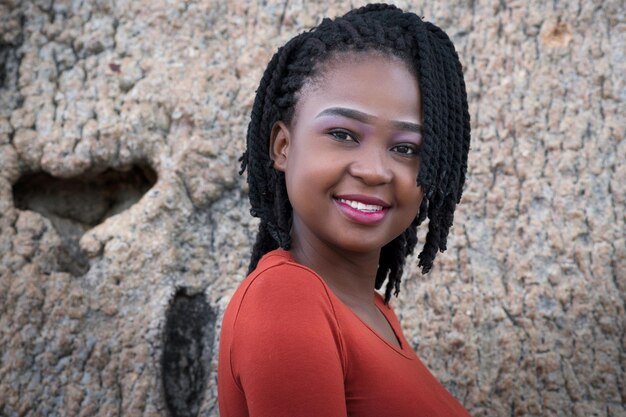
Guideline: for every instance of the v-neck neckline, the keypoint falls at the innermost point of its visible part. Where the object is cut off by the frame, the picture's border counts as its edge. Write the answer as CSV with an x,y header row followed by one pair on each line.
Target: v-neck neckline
x,y
403,349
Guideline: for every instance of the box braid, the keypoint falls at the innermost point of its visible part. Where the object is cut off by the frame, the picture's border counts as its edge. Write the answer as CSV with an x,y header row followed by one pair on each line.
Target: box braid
x,y
428,51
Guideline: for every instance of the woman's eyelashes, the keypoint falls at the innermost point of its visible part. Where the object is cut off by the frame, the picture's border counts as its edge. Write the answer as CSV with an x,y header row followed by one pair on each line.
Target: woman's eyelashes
x,y
406,149
341,135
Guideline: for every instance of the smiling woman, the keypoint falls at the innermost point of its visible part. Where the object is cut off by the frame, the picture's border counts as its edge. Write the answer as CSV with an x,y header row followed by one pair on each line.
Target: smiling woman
x,y
359,131
346,147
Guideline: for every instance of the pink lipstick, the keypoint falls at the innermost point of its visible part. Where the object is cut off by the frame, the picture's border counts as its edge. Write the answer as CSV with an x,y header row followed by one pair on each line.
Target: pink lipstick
x,y
362,209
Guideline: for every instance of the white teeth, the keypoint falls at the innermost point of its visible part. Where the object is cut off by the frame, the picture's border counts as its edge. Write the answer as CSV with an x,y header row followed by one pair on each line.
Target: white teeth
x,y
360,206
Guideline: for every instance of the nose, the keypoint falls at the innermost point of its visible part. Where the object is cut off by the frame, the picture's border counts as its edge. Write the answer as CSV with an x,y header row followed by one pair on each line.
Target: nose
x,y
371,166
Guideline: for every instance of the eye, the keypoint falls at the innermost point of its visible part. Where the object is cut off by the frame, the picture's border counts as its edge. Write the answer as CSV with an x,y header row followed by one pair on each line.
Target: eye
x,y
406,149
342,136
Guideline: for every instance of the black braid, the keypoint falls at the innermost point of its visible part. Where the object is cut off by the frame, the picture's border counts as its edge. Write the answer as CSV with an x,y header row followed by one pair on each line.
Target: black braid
x,y
428,51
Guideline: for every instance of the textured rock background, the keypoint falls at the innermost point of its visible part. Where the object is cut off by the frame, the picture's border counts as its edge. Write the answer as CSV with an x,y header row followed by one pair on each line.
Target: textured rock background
x,y
120,125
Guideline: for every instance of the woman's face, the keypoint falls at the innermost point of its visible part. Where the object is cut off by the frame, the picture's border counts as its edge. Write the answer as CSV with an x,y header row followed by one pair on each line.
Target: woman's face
x,y
351,154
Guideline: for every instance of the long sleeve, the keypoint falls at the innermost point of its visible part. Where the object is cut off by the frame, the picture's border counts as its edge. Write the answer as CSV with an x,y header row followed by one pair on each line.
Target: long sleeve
x,y
286,353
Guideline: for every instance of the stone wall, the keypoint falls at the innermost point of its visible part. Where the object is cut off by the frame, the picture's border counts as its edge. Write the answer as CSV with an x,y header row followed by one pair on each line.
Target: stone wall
x,y
124,226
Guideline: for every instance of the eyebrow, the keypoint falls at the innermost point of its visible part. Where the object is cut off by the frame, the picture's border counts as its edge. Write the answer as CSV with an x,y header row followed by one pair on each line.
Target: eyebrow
x,y
368,118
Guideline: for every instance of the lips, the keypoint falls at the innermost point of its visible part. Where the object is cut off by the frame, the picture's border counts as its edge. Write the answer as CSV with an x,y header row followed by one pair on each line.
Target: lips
x,y
362,209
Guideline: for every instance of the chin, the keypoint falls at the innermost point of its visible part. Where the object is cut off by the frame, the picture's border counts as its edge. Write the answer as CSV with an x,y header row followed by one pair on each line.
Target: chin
x,y
359,246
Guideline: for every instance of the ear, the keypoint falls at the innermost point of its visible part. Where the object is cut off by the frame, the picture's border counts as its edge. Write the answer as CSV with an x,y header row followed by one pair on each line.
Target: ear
x,y
280,139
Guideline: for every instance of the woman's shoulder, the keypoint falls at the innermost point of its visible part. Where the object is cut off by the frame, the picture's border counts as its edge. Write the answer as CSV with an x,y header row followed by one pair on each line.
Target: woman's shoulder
x,y
278,267
278,282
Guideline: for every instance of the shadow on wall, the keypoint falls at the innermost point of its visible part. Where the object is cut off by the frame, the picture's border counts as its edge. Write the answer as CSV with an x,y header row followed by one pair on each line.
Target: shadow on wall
x,y
188,335
75,205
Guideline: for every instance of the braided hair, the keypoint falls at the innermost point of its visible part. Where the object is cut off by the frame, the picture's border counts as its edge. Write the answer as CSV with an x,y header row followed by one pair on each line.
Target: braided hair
x,y
428,51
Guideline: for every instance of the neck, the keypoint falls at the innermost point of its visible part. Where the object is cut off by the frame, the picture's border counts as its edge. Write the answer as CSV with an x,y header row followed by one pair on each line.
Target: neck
x,y
351,276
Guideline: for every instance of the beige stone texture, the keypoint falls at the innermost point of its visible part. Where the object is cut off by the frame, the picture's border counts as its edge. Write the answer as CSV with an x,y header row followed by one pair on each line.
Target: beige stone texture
x,y
124,226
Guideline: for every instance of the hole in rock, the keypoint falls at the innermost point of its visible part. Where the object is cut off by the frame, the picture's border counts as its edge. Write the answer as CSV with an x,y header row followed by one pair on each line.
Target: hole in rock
x,y
187,349
75,205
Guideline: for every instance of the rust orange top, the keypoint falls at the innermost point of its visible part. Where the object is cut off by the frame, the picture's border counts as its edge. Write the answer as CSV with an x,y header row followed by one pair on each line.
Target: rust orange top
x,y
290,347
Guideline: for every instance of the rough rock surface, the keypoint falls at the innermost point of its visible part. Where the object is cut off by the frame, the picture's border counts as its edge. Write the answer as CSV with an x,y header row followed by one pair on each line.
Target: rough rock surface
x,y
110,295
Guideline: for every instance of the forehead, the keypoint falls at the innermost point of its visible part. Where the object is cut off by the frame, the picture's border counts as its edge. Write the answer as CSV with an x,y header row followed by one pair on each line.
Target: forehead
x,y
374,83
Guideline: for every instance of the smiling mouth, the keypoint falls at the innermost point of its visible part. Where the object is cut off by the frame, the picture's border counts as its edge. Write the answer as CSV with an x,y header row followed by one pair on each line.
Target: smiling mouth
x,y
367,208
369,213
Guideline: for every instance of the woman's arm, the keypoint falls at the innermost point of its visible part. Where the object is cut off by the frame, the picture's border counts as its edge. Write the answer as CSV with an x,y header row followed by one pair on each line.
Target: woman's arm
x,y
286,352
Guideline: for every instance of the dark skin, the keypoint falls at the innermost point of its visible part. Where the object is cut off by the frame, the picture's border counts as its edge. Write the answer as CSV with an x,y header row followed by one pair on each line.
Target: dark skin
x,y
350,158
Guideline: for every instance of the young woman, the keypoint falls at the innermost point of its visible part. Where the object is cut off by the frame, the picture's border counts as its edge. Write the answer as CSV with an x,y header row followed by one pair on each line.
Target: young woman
x,y
359,131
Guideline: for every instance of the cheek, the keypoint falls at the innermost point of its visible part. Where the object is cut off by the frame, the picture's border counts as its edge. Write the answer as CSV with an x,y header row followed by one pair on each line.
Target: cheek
x,y
408,179
418,199
312,167
412,196
305,179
